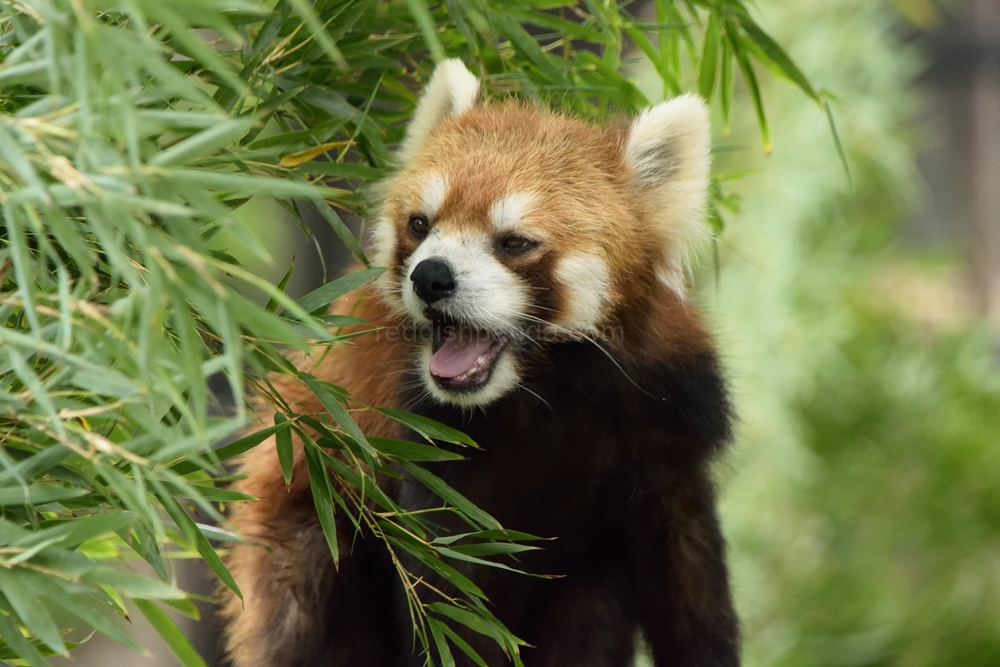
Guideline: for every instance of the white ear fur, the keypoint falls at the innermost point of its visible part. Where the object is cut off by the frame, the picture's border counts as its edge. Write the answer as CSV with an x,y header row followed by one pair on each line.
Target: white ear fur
x,y
452,90
669,152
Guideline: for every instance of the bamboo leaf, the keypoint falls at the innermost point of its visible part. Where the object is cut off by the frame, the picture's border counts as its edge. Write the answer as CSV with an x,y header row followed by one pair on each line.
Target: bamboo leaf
x,y
201,543
300,157
468,558
340,415
132,585
836,141
492,548
203,143
423,18
322,493
86,608
776,54
444,651
343,233
34,616
526,44
468,619
283,444
72,532
322,297
450,495
709,59
661,64
428,428
459,642
450,574
411,451
17,641
305,10
726,83
751,80
172,635
38,494
233,449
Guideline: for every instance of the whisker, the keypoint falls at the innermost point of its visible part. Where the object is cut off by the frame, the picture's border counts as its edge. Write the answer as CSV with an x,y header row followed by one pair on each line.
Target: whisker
x,y
524,387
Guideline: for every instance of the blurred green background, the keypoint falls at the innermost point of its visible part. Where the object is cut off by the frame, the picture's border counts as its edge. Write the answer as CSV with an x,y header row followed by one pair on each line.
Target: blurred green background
x,y
862,502
859,322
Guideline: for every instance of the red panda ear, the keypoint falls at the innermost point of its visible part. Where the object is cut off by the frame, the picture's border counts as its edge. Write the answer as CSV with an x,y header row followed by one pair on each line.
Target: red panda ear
x,y
668,152
451,91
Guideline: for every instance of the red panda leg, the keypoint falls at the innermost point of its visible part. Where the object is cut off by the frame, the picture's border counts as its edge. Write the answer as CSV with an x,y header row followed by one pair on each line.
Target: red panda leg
x,y
687,611
285,581
300,611
590,625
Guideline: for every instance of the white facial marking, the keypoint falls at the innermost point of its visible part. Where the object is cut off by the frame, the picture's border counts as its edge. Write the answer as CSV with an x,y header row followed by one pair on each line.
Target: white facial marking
x,y
383,242
433,194
487,296
588,283
509,210
383,248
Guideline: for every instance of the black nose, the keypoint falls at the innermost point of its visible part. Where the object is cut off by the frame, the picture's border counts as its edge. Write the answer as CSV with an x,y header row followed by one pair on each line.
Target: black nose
x,y
432,280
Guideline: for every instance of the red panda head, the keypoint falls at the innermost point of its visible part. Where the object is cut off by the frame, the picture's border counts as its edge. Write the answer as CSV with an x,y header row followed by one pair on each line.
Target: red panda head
x,y
511,228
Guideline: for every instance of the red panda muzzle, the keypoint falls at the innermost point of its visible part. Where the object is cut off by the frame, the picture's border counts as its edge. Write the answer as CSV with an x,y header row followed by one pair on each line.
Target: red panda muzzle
x,y
461,355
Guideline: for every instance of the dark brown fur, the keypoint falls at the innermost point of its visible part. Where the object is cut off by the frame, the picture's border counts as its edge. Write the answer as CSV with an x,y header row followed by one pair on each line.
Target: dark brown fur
x,y
611,458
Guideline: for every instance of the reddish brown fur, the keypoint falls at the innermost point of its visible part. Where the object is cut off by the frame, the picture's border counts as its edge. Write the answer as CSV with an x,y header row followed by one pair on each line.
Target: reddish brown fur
x,y
590,207
276,569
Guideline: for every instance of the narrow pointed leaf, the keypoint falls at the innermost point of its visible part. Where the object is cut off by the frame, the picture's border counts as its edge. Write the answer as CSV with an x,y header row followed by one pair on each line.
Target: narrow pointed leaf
x,y
339,413
179,645
450,495
201,543
709,59
323,296
283,444
34,616
322,493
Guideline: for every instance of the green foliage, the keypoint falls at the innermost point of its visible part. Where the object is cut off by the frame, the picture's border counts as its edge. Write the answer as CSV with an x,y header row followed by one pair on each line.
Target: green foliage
x,y
861,505
129,133
906,433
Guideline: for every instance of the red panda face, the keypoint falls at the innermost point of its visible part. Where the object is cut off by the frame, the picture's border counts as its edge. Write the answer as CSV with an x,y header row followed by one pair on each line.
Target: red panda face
x,y
511,229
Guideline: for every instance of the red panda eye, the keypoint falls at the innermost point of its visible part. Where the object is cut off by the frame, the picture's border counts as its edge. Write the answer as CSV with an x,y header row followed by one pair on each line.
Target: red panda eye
x,y
516,244
419,225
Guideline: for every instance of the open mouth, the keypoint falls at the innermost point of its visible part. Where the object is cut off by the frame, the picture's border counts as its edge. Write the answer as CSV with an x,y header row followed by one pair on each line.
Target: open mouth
x,y
462,357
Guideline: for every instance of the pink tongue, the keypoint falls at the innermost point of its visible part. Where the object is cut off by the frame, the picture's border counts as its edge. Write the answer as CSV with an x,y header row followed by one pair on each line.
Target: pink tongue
x,y
460,352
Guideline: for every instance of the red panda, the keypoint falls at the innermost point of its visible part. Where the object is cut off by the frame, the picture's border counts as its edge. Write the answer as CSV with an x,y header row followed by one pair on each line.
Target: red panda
x,y
544,257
